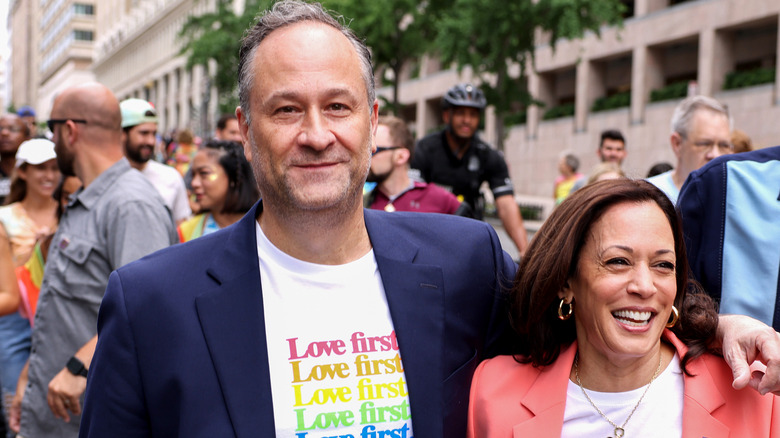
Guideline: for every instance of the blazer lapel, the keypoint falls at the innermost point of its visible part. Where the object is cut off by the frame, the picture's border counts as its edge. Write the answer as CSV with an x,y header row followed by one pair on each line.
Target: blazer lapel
x,y
232,320
415,296
701,398
546,398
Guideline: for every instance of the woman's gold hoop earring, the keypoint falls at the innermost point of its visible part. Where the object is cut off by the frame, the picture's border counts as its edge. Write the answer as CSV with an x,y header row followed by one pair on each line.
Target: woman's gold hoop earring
x,y
674,317
561,315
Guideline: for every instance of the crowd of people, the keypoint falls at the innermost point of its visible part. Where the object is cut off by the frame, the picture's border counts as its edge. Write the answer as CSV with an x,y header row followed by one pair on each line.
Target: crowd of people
x,y
150,290
73,211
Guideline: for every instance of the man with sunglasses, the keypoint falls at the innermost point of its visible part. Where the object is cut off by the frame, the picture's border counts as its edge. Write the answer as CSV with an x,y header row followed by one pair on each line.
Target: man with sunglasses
x,y
116,217
395,191
701,131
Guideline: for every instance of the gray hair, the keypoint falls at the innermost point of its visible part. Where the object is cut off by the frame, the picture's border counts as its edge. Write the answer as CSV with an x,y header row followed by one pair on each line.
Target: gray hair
x,y
683,114
571,160
285,13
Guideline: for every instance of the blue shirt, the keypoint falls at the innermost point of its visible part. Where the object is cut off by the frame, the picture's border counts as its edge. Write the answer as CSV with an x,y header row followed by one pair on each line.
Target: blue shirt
x,y
731,220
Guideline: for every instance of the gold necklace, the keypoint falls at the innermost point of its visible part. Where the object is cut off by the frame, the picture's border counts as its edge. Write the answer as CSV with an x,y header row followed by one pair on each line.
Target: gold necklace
x,y
619,430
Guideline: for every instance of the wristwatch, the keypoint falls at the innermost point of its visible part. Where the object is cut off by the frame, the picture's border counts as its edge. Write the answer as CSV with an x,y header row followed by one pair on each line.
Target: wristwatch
x,y
76,367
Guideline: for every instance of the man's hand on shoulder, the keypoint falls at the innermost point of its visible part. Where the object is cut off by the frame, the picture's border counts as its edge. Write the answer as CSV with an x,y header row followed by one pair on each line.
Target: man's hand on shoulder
x,y
746,340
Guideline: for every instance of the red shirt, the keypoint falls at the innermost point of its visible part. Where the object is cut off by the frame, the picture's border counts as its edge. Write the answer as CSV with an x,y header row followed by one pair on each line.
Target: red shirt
x,y
422,197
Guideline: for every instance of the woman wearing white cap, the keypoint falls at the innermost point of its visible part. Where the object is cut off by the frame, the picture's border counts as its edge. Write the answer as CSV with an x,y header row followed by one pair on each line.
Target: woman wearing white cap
x,y
30,214
30,211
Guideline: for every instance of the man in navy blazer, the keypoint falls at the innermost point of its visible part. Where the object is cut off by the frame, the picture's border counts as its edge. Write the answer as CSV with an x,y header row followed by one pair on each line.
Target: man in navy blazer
x,y
183,347
206,339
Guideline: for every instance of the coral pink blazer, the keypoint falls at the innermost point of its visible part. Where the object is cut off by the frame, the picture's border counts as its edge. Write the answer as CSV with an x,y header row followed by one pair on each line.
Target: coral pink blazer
x,y
515,400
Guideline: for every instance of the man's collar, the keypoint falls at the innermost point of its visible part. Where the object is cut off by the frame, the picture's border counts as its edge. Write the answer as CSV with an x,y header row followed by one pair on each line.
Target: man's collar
x,y
89,195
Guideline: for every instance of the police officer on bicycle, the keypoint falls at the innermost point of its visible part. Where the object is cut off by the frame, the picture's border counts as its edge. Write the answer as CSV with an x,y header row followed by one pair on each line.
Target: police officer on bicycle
x,y
459,161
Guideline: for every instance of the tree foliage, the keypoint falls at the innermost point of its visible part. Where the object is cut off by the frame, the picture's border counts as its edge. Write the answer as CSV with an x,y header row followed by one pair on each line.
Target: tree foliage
x,y
492,36
397,31
217,36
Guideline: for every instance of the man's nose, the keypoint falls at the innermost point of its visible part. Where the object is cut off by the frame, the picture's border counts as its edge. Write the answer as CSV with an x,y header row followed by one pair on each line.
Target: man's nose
x,y
315,131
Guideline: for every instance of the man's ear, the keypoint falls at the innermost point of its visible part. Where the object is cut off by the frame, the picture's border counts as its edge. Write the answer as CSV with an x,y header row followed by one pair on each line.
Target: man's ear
x,y
676,141
402,156
69,134
374,119
446,115
243,126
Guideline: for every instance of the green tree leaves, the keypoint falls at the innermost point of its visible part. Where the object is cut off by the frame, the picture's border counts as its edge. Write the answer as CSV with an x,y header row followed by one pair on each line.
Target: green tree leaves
x,y
217,36
495,38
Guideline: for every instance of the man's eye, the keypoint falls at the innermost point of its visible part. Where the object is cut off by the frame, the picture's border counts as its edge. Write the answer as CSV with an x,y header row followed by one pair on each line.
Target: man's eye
x,y
286,109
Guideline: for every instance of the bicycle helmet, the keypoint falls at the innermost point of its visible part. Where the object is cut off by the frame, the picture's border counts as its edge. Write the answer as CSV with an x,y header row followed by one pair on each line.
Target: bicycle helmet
x,y
464,95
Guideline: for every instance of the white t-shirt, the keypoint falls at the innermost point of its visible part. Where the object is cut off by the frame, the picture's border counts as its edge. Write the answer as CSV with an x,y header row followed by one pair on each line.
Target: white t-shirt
x,y
170,184
665,182
659,414
335,365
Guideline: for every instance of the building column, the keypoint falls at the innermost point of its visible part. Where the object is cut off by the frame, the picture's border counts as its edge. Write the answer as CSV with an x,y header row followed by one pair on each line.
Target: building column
x,y
723,58
213,106
638,84
195,95
706,53
173,93
490,125
589,86
161,104
152,91
715,60
646,75
184,105
534,112
421,119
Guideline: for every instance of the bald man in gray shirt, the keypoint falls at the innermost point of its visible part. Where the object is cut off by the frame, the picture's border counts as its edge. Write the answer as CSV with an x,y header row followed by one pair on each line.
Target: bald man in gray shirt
x,y
115,218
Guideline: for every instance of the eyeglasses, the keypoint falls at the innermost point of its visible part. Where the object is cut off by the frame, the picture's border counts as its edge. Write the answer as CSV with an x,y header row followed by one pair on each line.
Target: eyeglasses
x,y
384,148
11,129
723,146
51,123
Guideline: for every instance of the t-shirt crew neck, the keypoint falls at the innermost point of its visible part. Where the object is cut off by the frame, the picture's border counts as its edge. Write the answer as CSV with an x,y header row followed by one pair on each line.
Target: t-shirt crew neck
x,y
333,356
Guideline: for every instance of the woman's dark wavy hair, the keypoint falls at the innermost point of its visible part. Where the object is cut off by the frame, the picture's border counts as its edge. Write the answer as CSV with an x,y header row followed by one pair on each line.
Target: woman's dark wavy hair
x,y
551,260
242,189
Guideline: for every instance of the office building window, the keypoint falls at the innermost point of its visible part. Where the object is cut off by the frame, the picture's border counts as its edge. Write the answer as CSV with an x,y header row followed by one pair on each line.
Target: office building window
x,y
83,9
83,35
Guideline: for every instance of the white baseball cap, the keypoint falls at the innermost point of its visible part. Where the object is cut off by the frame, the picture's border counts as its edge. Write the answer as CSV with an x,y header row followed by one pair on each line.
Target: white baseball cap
x,y
35,151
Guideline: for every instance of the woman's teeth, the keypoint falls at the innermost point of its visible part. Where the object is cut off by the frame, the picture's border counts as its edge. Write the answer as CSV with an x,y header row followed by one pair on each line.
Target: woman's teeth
x,y
630,317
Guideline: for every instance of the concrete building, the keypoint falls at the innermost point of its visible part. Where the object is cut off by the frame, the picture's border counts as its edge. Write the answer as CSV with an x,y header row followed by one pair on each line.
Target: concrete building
x,y
68,30
665,49
138,56
51,48
677,44
3,81
23,42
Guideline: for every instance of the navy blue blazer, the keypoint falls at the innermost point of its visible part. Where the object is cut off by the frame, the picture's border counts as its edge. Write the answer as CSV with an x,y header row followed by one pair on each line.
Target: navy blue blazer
x,y
181,336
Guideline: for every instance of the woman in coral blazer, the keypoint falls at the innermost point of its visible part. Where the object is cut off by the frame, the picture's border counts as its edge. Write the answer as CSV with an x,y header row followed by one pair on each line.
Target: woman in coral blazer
x,y
609,353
